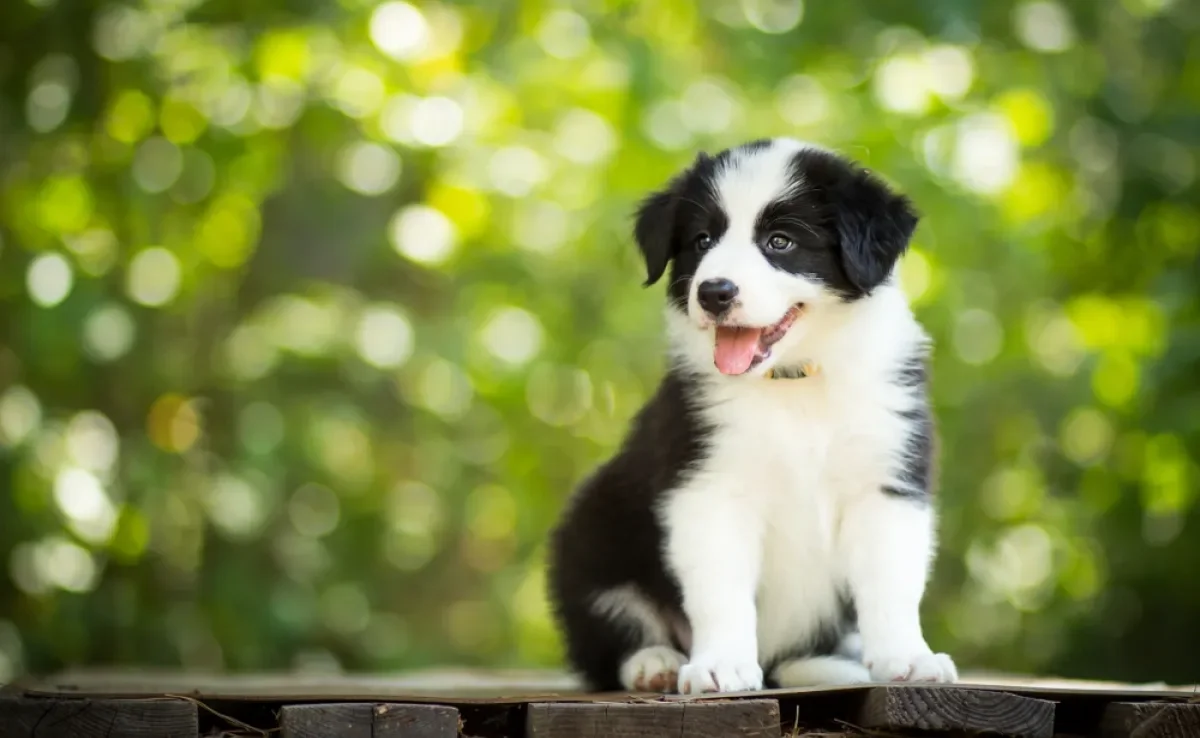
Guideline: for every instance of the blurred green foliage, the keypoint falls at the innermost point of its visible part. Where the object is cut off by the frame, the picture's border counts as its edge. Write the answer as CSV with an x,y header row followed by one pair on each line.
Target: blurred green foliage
x,y
312,313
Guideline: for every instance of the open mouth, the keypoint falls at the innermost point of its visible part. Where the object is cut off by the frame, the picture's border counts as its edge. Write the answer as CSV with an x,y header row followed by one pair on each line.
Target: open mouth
x,y
739,349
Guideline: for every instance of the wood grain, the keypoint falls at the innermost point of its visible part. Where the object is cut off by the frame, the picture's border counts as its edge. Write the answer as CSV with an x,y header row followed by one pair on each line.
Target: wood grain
x,y
76,718
1151,720
368,720
744,718
344,720
415,721
931,708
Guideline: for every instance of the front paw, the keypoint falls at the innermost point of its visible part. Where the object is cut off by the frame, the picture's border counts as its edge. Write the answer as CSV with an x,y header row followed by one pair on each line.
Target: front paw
x,y
919,667
720,674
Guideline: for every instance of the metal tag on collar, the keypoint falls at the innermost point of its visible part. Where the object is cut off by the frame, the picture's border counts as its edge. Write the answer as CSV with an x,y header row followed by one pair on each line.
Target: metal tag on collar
x,y
806,369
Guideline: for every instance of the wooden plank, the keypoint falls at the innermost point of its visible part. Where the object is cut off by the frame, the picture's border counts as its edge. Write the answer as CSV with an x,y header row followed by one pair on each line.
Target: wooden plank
x,y
472,686
75,718
344,720
366,720
415,721
745,718
932,708
1151,720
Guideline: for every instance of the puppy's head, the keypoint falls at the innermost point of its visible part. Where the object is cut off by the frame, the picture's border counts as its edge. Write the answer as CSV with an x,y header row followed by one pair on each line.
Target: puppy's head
x,y
760,239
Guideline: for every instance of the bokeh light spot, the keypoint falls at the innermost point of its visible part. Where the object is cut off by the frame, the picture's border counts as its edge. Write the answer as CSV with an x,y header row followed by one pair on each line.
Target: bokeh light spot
x,y
663,124
802,100
444,389
707,107
950,71
1116,378
92,442
1029,114
516,170
237,507
584,137
436,121
95,250
368,168
399,30
66,205
122,32
512,335
564,34
153,278
1086,435
423,234
49,280
384,336
900,85
1044,26
20,415
773,16
47,105
173,423
157,164
229,231
249,353
415,517
540,225
985,153
359,92
180,121
131,117
82,499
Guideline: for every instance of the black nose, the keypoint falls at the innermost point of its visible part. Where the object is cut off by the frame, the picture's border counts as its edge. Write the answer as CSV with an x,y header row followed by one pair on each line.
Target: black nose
x,y
716,295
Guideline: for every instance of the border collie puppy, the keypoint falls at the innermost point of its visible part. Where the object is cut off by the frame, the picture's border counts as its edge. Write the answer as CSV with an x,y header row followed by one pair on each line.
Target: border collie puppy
x,y
770,511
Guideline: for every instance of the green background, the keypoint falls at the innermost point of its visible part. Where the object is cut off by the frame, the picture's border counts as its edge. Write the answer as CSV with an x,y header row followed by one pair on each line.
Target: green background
x,y
312,313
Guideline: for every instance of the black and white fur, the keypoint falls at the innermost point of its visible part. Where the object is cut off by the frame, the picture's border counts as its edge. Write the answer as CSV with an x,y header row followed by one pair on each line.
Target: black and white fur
x,y
748,525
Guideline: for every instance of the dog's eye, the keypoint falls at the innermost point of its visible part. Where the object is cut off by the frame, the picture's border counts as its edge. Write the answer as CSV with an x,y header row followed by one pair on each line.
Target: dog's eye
x,y
780,242
704,242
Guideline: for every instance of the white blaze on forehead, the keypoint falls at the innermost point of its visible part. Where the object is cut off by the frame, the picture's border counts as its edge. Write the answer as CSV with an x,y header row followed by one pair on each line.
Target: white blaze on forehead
x,y
751,179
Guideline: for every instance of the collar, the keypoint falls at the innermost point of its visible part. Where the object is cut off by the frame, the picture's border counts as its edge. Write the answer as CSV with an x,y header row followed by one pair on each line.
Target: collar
x,y
804,369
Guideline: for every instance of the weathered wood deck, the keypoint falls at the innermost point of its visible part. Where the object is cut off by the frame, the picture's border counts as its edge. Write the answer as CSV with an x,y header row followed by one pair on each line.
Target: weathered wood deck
x,y
447,704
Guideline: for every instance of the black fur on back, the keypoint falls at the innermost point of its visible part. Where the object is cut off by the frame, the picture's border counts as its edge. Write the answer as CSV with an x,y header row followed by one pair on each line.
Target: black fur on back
x,y
610,536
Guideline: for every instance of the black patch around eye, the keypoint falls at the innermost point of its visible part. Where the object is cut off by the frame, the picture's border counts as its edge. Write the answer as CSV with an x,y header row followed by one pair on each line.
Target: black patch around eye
x,y
870,225
801,218
699,213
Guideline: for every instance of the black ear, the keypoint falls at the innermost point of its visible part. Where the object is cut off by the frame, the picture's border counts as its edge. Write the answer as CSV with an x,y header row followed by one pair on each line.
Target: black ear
x,y
655,226
655,231
874,225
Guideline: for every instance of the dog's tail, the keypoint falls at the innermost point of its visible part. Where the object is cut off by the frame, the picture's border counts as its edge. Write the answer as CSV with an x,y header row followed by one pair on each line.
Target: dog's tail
x,y
819,671
843,666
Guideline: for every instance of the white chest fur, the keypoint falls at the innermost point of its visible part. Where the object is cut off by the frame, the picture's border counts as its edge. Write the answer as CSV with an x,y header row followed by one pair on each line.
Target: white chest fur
x,y
784,513
797,452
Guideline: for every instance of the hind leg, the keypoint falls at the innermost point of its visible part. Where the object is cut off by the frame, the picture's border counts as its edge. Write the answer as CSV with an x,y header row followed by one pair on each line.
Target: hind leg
x,y
652,669
618,639
653,664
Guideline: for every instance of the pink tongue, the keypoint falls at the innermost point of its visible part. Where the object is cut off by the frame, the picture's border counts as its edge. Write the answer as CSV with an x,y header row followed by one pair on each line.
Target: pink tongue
x,y
735,349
